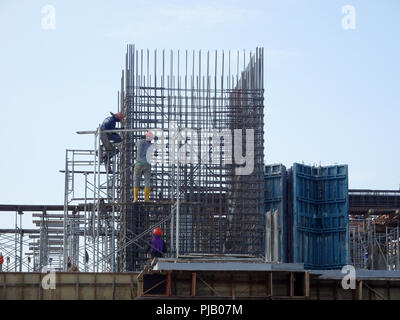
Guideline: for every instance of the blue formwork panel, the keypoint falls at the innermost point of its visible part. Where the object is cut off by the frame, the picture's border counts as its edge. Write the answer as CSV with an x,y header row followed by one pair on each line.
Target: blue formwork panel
x,y
319,209
275,199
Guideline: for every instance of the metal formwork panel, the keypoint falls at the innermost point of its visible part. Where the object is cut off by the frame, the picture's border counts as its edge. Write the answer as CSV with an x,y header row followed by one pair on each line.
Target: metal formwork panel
x,y
320,215
275,201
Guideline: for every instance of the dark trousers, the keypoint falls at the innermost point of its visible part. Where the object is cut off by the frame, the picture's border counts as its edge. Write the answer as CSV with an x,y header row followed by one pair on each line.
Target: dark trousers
x,y
114,137
156,254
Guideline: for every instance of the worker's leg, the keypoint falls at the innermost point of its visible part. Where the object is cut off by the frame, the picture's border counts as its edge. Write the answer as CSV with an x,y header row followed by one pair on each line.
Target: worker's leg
x,y
137,174
147,176
114,137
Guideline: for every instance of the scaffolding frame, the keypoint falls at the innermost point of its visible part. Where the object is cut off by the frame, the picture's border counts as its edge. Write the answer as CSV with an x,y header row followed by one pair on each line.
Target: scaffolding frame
x,y
372,248
89,237
13,245
31,249
203,207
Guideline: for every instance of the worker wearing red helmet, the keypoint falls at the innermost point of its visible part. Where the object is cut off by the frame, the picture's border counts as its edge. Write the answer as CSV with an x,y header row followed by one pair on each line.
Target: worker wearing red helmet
x,y
142,167
157,247
109,123
113,137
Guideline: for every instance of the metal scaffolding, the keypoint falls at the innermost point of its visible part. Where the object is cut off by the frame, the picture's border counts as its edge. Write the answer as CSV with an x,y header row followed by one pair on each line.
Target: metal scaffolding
x,y
374,246
30,249
13,245
374,229
90,235
207,170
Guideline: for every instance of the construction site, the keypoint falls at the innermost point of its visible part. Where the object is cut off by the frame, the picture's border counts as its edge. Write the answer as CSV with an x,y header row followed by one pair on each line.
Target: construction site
x,y
235,226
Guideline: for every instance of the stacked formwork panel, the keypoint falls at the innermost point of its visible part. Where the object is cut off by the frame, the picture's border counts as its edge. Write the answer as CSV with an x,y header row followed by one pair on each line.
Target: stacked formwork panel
x,y
207,111
275,197
319,200
314,219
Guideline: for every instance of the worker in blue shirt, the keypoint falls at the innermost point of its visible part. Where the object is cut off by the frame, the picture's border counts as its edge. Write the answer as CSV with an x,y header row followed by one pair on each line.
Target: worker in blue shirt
x,y
109,123
142,167
113,138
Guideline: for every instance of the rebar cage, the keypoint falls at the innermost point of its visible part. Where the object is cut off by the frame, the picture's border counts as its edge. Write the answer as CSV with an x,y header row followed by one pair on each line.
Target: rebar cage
x,y
207,111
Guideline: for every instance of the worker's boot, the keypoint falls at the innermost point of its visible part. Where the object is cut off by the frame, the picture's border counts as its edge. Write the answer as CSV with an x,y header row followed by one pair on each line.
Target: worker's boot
x,y
146,194
135,194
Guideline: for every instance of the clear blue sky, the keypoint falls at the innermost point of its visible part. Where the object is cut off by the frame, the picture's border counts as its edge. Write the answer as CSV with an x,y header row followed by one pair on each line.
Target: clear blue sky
x,y
332,95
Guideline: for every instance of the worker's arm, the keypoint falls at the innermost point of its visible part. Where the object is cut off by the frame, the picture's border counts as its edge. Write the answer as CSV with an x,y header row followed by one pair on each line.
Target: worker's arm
x,y
108,124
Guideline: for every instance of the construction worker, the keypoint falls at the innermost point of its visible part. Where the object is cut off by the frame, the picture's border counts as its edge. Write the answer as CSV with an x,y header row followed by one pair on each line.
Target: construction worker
x,y
109,123
157,247
142,167
110,139
72,268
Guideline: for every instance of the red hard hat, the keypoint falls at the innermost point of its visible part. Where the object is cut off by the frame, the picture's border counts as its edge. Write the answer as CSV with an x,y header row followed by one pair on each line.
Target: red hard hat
x,y
118,115
157,231
149,134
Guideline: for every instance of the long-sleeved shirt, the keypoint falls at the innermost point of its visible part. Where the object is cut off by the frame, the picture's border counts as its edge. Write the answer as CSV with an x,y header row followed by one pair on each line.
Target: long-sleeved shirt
x,y
142,147
109,123
157,246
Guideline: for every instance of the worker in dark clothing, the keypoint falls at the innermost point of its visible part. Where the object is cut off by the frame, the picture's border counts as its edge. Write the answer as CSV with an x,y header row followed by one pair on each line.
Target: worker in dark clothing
x,y
109,123
109,139
157,246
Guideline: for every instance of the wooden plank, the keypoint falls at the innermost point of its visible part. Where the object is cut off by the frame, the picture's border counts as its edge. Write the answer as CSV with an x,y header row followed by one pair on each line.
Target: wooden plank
x,y
250,285
139,287
40,288
58,286
359,291
269,284
291,284
233,293
4,286
212,283
306,284
169,284
23,287
77,296
113,288
193,285
94,287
